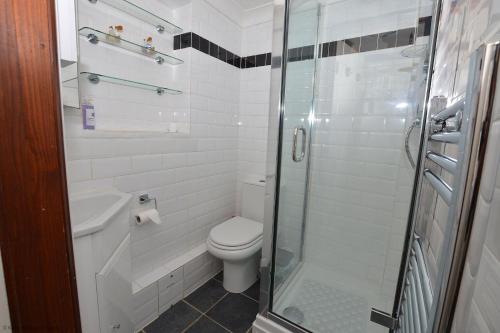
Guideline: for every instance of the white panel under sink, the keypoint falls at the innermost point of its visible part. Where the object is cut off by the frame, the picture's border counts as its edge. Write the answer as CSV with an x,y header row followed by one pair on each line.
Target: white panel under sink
x,y
170,296
170,279
114,291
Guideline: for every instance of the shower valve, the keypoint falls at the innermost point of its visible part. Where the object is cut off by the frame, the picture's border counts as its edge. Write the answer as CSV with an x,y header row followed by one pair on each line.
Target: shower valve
x,y
437,126
453,124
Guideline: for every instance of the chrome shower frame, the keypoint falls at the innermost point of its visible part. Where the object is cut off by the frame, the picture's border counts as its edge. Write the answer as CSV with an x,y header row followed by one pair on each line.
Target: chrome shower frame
x,y
273,165
278,68
419,166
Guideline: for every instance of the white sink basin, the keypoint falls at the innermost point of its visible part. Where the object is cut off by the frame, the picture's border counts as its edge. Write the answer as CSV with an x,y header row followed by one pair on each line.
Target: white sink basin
x,y
93,211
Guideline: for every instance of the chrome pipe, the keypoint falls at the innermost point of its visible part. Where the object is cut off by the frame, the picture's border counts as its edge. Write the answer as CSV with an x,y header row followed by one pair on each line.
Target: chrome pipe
x,y
445,162
444,190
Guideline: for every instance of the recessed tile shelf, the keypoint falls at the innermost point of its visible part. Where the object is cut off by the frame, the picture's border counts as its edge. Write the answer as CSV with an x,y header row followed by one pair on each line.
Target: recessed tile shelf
x,y
132,9
96,78
95,36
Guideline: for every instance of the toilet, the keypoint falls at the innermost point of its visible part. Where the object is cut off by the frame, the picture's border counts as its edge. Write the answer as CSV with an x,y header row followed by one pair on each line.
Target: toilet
x,y
238,241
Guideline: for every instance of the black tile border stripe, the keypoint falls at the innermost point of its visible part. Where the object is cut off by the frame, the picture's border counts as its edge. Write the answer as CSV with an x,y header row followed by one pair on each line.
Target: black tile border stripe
x,y
367,43
190,39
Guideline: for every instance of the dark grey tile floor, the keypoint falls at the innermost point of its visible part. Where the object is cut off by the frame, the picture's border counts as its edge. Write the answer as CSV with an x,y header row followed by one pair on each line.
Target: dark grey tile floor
x,y
210,309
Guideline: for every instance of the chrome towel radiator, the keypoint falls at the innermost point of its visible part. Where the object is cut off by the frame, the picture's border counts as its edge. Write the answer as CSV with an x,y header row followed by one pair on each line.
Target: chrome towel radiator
x,y
445,127
426,303
417,296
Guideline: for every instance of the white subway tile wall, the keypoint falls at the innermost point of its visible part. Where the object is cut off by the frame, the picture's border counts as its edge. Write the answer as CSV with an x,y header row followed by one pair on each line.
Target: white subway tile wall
x,y
194,174
372,17
361,180
124,108
254,98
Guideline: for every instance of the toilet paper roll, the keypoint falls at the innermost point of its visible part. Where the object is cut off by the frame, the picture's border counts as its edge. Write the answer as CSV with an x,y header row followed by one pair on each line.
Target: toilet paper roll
x,y
150,215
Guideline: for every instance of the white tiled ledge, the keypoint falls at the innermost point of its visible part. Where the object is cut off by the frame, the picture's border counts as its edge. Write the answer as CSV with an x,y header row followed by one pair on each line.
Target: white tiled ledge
x,y
157,291
169,267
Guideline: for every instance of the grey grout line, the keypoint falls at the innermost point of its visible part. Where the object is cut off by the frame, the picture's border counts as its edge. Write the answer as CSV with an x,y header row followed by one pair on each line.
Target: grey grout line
x,y
210,308
250,298
192,306
194,321
242,293
216,303
227,293
192,324
204,314
219,324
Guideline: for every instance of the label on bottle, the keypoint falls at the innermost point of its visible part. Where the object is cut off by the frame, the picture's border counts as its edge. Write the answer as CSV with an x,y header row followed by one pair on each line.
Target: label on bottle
x,y
88,113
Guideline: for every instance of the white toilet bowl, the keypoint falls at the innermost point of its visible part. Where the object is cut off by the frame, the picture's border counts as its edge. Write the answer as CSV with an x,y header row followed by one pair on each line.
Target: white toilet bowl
x,y
237,242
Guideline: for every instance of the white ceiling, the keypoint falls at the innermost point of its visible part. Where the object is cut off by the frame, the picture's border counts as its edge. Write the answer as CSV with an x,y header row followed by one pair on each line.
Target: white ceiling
x,y
250,4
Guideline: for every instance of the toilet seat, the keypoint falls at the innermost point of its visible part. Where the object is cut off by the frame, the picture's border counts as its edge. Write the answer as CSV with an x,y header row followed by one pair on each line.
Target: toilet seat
x,y
237,233
234,254
235,248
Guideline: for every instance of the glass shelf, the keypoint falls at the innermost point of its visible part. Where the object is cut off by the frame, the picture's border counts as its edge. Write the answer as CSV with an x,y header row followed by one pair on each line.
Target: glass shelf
x,y
144,15
70,83
96,78
95,36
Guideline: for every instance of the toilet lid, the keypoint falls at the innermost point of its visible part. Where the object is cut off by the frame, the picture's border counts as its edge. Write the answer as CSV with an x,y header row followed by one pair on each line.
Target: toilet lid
x,y
237,231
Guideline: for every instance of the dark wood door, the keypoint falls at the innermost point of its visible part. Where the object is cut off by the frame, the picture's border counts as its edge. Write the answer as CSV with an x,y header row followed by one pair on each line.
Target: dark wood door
x,y
35,235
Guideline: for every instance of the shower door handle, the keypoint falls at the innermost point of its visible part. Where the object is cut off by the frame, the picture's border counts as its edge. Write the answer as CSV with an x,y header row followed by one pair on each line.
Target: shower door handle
x,y
296,131
414,124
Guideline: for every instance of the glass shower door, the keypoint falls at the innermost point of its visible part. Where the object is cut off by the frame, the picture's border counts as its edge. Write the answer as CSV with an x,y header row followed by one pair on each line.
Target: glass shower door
x,y
295,138
353,83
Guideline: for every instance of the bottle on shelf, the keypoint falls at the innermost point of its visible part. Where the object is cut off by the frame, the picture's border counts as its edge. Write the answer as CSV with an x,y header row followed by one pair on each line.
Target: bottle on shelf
x,y
114,33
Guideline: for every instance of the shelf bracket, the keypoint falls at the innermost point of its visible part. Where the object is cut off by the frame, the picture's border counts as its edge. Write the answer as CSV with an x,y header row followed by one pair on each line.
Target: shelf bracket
x,y
160,28
92,38
159,60
94,78
160,91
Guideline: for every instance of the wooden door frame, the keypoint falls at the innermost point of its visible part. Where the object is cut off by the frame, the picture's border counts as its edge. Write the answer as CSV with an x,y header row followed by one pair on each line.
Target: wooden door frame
x,y
35,232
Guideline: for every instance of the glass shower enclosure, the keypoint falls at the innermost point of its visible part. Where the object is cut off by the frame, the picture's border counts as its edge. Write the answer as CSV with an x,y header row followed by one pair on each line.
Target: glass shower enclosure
x,y
351,76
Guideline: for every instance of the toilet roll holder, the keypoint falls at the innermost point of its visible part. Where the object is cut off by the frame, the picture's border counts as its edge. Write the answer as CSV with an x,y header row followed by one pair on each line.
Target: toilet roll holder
x,y
145,198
